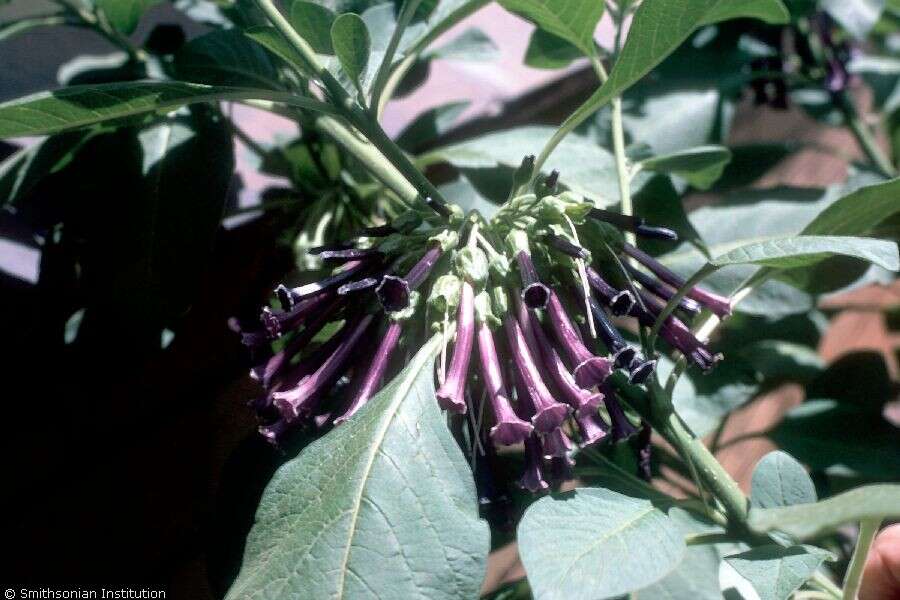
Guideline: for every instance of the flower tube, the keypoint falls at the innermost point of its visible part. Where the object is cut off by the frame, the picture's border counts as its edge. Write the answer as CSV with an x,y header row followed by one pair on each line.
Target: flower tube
x,y
374,374
510,429
590,370
394,292
451,393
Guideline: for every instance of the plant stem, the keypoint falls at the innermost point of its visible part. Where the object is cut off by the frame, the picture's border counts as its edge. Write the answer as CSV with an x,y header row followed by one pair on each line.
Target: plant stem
x,y
867,531
368,155
384,69
359,117
864,136
618,137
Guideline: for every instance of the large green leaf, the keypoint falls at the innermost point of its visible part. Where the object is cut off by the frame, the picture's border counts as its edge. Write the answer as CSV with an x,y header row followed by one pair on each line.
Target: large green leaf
x,y
779,480
840,439
85,105
584,167
808,249
700,167
273,41
547,51
382,507
313,22
859,212
807,521
351,42
571,20
768,11
125,15
595,543
226,57
658,28
776,571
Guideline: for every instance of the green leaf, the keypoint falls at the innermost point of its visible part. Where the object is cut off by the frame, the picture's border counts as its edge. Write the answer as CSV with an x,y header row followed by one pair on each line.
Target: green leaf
x,y
658,28
471,45
859,212
773,12
809,249
779,480
701,167
313,22
272,40
125,15
856,16
226,57
351,42
840,439
547,51
585,167
571,20
596,543
383,507
775,571
85,105
431,124
22,171
807,521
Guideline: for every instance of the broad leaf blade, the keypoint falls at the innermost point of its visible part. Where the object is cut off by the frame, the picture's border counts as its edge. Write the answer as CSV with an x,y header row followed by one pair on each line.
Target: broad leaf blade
x,y
351,42
272,40
779,480
571,20
776,571
807,521
125,15
768,11
658,28
548,51
313,22
701,167
382,507
226,57
808,249
859,212
597,542
85,105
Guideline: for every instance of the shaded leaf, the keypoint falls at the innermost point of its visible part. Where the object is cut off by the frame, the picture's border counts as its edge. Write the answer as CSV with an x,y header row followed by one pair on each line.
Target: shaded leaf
x,y
125,15
859,212
226,57
471,45
431,124
779,480
808,249
272,40
383,506
807,521
82,106
351,42
776,571
700,167
547,51
596,543
571,20
313,22
26,168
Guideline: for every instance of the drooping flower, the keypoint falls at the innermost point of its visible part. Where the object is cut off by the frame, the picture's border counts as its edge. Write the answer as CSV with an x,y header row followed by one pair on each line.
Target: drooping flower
x,y
509,428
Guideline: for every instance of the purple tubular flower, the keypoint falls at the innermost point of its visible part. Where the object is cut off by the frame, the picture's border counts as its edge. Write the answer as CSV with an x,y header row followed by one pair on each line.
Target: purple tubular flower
x,y
281,322
620,303
533,478
347,272
556,443
676,333
590,369
621,426
266,372
451,393
663,291
357,286
349,254
393,291
624,356
548,413
302,399
510,429
534,293
373,376
634,224
566,246
717,304
591,427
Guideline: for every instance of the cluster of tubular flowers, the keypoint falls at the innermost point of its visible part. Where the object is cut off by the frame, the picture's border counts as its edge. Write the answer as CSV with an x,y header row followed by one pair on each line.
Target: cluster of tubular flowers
x,y
528,323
